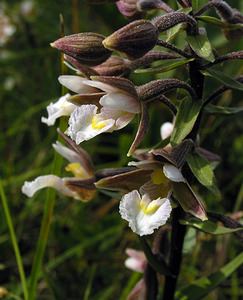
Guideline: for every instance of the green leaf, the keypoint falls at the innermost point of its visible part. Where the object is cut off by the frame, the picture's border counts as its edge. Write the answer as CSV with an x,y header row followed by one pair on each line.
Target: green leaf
x,y
218,22
203,286
190,241
201,46
203,171
185,119
210,227
211,20
225,79
173,31
223,110
165,67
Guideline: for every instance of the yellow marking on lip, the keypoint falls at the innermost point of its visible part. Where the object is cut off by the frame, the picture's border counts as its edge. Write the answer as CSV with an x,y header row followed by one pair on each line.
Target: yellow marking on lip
x,y
76,169
96,124
148,209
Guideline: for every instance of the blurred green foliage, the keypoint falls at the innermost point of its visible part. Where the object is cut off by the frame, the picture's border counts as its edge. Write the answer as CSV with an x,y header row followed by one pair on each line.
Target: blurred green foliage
x,y
85,253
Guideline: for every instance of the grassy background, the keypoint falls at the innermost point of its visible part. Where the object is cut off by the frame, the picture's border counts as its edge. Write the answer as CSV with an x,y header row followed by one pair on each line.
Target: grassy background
x,y
85,252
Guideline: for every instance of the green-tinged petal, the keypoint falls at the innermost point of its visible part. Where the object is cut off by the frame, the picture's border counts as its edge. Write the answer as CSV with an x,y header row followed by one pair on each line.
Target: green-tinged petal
x,y
188,200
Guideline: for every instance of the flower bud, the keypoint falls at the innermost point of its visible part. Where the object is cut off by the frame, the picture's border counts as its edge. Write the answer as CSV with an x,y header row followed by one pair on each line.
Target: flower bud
x,y
128,8
134,39
234,33
169,20
230,15
86,47
113,66
151,57
82,69
152,90
223,9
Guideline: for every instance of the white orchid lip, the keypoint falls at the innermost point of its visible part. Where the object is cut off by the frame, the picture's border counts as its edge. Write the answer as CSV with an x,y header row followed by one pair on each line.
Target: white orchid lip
x,y
142,214
60,108
85,123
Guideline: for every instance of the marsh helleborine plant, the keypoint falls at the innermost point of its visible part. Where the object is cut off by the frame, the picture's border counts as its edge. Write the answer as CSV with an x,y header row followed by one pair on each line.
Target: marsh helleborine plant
x,y
155,188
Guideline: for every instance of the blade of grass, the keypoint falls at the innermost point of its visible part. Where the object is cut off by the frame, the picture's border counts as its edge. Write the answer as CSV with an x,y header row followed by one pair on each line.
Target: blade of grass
x,y
14,241
78,249
89,285
44,232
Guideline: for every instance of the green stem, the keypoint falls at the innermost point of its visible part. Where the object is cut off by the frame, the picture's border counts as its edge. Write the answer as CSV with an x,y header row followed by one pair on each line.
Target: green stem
x,y
44,232
14,241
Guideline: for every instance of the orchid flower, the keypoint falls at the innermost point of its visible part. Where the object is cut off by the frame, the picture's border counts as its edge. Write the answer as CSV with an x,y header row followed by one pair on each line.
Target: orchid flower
x,y
58,109
114,103
167,179
143,214
136,260
152,180
79,187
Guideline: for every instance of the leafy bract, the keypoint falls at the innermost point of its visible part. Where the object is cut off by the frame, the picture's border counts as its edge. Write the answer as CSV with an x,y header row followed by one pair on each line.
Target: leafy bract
x,y
185,119
203,286
218,22
223,110
201,46
210,227
165,67
203,171
225,79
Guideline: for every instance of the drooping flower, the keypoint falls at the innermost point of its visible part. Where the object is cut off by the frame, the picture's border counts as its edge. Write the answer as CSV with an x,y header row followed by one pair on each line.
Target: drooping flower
x,y
169,178
114,103
156,179
58,109
80,187
143,214
136,260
